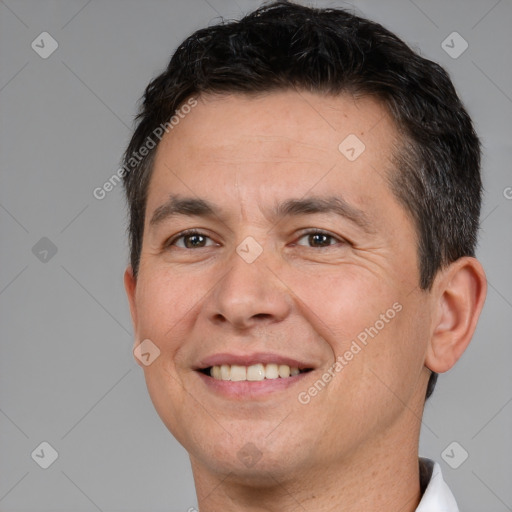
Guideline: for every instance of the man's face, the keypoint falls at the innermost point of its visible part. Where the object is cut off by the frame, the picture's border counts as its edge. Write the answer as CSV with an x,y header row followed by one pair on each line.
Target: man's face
x,y
272,279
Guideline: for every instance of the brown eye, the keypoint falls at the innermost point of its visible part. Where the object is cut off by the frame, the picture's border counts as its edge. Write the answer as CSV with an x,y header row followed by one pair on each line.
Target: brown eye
x,y
191,240
319,239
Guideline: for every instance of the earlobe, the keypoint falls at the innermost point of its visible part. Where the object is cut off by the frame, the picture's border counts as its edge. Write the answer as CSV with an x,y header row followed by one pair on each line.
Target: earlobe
x,y
459,292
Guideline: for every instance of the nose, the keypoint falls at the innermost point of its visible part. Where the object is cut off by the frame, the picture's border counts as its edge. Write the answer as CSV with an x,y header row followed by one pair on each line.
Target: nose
x,y
249,295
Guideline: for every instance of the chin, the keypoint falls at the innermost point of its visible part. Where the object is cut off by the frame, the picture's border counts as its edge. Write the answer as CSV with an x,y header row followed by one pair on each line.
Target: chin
x,y
248,466
251,457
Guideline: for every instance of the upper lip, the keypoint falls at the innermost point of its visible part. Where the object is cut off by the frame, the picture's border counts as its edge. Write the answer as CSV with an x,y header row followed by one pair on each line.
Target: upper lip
x,y
250,359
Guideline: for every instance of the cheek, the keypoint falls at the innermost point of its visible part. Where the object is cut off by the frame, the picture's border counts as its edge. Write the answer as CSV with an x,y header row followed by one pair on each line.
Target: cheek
x,y
165,307
380,332
165,300
343,303
384,375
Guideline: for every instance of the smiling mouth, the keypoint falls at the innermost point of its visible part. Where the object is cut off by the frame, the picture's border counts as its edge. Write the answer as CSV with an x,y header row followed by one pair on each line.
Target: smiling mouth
x,y
252,373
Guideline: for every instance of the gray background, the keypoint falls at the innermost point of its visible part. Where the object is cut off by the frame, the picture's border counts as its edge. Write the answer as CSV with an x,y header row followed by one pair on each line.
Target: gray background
x,y
67,375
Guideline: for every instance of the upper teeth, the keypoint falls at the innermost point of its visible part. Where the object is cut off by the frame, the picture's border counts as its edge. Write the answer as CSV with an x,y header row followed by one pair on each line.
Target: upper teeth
x,y
254,372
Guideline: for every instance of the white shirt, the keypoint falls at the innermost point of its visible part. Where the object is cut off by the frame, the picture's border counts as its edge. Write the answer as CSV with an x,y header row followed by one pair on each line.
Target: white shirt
x,y
437,496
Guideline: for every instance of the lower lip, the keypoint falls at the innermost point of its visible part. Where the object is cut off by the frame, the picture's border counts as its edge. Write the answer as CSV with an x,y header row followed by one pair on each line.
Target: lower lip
x,y
246,389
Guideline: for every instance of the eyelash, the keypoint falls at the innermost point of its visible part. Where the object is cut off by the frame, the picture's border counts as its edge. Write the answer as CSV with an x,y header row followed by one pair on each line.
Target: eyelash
x,y
193,232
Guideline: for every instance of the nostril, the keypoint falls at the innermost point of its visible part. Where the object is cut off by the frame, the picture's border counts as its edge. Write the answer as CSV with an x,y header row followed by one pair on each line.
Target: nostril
x,y
263,316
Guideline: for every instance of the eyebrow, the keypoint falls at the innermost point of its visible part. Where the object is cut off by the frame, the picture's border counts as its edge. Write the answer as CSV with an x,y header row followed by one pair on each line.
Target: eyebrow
x,y
195,207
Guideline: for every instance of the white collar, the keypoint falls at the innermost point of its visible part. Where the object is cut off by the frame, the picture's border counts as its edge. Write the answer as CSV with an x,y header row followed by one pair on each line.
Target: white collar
x,y
437,496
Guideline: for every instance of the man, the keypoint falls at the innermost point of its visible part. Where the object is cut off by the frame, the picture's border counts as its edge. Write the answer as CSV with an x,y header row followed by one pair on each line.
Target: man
x,y
304,193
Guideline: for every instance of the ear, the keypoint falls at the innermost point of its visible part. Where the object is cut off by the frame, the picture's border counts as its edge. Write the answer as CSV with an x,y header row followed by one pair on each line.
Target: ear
x,y
459,293
130,283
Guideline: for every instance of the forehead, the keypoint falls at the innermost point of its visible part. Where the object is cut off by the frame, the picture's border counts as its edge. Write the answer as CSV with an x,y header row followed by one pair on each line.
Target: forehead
x,y
240,148
294,122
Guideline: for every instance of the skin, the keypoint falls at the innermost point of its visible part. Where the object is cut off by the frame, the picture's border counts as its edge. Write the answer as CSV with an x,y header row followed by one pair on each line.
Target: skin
x,y
354,446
